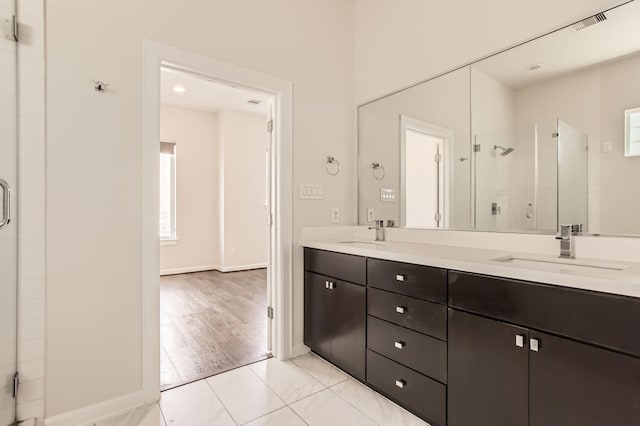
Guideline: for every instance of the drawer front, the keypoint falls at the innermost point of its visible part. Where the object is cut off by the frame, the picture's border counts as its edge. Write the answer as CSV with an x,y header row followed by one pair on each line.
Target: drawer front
x,y
419,394
410,348
597,318
416,314
418,281
336,265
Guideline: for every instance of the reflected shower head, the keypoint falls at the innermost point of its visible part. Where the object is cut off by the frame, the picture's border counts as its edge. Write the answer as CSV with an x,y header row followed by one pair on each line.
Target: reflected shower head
x,y
505,151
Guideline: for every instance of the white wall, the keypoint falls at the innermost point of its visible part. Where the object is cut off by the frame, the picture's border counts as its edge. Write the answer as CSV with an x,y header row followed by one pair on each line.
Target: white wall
x,y
94,160
244,139
401,43
195,134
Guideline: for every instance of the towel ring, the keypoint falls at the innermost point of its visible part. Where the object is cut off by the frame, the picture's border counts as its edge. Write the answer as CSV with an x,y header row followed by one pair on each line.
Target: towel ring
x,y
376,174
336,163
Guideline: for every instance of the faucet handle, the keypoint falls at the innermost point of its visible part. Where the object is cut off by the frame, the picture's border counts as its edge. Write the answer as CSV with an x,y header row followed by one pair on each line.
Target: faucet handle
x,y
379,224
565,232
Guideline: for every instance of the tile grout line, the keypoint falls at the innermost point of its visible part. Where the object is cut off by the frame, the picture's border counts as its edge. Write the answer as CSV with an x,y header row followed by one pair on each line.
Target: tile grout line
x,y
233,419
356,408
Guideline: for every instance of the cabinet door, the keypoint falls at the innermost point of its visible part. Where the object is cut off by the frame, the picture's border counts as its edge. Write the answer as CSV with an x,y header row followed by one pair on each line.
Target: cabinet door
x,y
573,383
349,308
317,314
488,372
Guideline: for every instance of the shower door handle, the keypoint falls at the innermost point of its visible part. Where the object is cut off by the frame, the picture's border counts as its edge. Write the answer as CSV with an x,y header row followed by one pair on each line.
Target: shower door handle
x,y
6,204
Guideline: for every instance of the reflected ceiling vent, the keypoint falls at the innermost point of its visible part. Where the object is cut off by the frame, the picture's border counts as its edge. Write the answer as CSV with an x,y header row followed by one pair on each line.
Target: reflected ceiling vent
x,y
254,101
592,20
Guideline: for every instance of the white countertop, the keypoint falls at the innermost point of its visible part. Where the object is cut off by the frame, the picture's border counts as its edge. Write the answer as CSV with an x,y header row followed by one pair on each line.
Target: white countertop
x,y
481,261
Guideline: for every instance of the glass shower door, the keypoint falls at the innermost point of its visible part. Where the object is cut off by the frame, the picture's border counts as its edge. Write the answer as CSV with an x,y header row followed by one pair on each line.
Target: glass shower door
x,y
8,224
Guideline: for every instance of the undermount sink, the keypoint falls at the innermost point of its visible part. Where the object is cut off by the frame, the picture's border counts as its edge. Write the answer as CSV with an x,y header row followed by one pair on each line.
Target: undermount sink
x,y
569,265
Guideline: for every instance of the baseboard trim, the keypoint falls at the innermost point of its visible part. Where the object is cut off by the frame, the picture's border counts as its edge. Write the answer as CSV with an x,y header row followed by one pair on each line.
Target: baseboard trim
x,y
299,349
212,268
98,412
188,270
241,267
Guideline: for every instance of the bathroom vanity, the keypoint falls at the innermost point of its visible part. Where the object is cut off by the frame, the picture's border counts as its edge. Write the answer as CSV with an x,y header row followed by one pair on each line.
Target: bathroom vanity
x,y
455,335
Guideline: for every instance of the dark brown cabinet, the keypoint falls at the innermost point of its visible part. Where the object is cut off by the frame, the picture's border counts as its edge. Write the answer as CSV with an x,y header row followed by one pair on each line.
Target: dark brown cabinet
x,y
335,311
572,383
488,372
501,374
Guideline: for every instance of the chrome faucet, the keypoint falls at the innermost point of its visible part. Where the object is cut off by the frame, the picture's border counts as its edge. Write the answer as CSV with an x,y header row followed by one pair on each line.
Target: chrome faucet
x,y
567,249
380,229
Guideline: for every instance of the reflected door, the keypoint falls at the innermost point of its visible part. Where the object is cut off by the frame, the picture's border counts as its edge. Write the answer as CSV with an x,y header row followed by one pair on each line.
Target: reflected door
x,y
8,223
424,180
573,184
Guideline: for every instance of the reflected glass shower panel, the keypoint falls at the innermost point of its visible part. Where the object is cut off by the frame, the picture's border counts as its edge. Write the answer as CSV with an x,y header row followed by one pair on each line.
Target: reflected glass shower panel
x,y
573,183
8,223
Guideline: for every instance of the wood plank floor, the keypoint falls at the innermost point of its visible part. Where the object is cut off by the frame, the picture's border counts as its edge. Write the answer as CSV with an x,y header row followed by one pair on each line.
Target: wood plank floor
x,y
211,322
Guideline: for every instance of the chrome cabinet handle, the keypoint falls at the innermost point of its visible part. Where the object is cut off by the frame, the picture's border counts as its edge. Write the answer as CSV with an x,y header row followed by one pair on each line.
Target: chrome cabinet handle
x,y
330,285
400,383
401,310
399,345
6,204
400,277
534,345
326,284
520,340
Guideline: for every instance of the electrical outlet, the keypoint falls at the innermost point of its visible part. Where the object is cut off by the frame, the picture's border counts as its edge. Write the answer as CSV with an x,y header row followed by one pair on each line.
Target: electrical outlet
x,y
335,215
370,215
234,252
607,147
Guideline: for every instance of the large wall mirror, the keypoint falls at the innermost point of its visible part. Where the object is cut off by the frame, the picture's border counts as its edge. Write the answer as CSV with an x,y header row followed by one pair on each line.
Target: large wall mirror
x,y
542,134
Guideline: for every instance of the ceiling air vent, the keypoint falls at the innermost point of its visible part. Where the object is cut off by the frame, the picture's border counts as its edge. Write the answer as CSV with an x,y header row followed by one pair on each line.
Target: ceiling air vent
x,y
592,20
254,101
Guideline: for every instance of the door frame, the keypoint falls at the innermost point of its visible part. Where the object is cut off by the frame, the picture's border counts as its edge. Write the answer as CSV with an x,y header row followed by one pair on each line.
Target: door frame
x,y
280,261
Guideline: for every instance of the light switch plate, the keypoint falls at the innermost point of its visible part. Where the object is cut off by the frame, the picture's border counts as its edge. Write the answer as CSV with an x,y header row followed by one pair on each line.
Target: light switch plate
x,y
370,215
387,195
310,191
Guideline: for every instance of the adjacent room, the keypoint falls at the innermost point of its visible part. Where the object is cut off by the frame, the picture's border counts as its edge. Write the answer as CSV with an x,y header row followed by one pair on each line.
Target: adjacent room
x,y
213,227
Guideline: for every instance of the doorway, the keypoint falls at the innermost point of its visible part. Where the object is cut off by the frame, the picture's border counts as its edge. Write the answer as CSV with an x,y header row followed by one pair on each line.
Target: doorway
x,y
215,143
277,220
425,174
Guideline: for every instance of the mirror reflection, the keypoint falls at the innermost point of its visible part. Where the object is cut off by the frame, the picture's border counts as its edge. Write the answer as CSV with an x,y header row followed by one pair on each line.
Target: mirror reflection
x,y
543,134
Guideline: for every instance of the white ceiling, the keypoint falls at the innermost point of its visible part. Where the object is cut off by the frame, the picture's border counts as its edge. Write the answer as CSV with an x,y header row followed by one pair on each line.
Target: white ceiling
x,y
568,49
206,95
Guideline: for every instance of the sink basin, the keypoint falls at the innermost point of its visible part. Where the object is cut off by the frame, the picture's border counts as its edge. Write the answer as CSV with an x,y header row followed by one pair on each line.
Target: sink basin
x,y
563,265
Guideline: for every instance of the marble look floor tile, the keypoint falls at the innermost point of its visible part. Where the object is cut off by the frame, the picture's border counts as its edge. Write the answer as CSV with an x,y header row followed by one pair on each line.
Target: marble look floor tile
x,y
327,408
290,382
324,372
376,407
143,416
244,394
283,417
194,404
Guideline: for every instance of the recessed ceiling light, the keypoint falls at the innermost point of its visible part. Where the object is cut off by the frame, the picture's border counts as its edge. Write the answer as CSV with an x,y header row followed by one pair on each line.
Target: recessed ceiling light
x,y
179,89
535,67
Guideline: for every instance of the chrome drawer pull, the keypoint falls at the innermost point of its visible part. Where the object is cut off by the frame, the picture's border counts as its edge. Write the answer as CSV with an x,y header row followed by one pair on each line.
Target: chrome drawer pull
x,y
400,383
401,309
400,277
326,284
399,345
534,345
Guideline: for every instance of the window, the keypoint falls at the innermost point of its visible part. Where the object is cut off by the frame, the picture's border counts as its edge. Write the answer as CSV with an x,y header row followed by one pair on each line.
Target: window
x,y
167,191
632,132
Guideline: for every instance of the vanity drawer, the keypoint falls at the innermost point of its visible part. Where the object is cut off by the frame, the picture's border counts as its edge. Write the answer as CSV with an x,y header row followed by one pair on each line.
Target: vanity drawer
x,y
416,314
421,395
423,282
598,318
346,267
424,354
